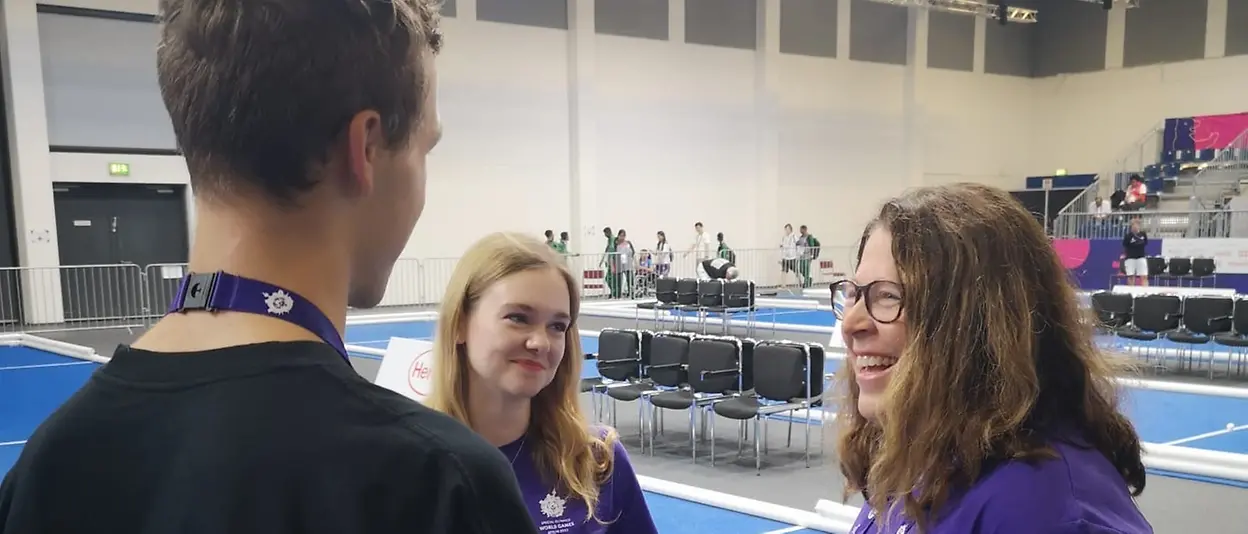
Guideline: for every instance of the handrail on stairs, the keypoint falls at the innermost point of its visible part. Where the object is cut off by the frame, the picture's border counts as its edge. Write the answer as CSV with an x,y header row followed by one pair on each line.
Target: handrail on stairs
x,y
1232,155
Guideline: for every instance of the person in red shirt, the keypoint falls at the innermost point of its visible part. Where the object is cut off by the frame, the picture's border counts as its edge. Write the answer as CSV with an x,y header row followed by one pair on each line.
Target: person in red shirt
x,y
1137,194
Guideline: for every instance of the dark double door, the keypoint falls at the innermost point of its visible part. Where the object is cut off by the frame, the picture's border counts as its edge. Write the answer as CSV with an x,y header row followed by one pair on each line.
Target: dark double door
x,y
108,234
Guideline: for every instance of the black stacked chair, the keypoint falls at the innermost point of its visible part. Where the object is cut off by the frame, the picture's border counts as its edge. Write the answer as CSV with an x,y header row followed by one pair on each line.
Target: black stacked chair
x,y
718,366
665,299
1179,269
1156,266
738,297
1203,318
623,358
668,370
1203,268
1237,338
710,295
788,376
686,298
1113,310
1153,316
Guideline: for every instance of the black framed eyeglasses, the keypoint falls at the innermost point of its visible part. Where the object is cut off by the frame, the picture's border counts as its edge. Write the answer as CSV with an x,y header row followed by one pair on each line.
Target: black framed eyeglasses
x,y
883,299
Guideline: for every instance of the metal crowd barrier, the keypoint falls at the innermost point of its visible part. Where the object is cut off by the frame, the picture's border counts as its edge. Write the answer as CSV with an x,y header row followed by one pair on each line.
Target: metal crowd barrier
x,y
83,297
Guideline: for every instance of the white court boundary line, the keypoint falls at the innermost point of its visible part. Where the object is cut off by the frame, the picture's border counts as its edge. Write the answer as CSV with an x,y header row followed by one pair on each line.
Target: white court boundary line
x,y
786,530
43,365
839,520
1213,434
10,443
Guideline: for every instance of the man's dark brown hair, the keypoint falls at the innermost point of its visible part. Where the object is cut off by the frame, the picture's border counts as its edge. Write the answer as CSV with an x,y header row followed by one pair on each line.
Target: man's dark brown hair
x,y
258,90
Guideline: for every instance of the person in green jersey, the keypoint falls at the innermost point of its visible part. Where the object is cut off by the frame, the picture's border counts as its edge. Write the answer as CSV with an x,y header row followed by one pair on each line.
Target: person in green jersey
x,y
610,265
809,247
562,244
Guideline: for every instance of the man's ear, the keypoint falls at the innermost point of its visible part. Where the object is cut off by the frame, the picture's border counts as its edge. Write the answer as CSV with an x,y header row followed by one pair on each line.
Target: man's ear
x,y
364,139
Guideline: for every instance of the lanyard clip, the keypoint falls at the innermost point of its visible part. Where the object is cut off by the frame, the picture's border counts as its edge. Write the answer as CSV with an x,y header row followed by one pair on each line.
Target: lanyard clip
x,y
197,292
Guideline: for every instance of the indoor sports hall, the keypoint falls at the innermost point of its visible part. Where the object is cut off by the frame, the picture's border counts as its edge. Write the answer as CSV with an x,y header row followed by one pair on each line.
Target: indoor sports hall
x,y
646,135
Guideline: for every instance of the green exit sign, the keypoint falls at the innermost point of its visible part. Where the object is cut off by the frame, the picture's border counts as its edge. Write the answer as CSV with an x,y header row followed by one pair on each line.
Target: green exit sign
x,y
119,169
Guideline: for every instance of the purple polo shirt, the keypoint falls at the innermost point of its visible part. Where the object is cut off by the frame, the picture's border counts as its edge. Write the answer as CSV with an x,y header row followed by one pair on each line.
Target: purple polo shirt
x,y
621,502
1077,493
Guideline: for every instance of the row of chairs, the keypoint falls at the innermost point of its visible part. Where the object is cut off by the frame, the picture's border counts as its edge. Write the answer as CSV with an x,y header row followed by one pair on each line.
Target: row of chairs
x,y
1180,268
703,298
1197,322
707,375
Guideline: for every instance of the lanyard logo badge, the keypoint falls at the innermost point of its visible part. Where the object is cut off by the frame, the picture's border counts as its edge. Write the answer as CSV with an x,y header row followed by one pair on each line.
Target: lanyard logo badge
x,y
278,302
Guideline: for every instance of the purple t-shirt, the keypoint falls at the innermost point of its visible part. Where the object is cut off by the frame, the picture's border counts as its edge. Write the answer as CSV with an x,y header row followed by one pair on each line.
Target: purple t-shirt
x,y
621,503
1077,493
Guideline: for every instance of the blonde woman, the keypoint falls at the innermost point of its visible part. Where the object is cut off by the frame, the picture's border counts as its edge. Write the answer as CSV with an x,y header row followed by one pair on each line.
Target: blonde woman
x,y
509,366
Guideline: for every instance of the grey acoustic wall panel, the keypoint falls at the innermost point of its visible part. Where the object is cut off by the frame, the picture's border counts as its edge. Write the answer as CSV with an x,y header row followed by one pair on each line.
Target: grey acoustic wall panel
x,y
727,23
645,19
808,27
1165,31
1008,49
1069,38
99,83
1237,27
950,41
541,13
448,8
877,32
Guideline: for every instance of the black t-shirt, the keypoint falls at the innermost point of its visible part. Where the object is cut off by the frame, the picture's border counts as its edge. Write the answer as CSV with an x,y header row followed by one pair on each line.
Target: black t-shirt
x,y
1133,244
273,438
716,268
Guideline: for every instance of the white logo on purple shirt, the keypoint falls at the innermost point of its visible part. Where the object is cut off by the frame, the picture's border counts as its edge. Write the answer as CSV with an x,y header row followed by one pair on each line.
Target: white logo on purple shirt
x,y
553,505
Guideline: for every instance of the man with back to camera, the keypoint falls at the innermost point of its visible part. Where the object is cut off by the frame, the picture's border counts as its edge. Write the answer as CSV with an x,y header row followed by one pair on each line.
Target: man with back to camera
x,y
1135,259
717,269
250,418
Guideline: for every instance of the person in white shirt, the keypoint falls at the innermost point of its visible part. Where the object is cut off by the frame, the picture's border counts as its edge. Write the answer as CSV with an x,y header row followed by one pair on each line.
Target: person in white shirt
x,y
1100,207
625,264
662,256
701,249
789,253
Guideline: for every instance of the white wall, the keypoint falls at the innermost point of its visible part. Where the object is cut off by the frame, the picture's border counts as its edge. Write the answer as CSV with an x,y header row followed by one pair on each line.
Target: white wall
x,y
676,141
842,138
672,133
503,160
1086,122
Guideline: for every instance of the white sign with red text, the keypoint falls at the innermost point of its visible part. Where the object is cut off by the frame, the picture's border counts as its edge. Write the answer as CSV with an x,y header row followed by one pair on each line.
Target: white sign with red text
x,y
407,368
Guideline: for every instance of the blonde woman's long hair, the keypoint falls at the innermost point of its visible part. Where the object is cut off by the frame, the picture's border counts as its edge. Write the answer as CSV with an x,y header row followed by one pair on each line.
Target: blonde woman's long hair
x,y
576,458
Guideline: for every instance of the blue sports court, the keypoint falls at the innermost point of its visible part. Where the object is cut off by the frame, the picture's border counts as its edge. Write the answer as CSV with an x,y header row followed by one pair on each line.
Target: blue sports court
x,y
33,383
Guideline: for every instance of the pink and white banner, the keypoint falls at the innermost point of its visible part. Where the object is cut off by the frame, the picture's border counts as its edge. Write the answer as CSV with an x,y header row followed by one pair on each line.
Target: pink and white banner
x,y
1217,131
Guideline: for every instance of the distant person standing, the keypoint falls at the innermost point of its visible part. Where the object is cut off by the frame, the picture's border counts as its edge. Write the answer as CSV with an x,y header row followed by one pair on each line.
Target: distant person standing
x,y
610,265
662,256
560,246
723,250
789,254
701,247
1135,262
626,263
808,247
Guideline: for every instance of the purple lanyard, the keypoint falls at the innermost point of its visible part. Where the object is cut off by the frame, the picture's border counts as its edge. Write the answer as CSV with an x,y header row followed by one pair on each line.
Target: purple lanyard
x,y
223,291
